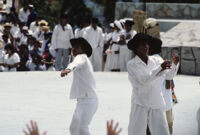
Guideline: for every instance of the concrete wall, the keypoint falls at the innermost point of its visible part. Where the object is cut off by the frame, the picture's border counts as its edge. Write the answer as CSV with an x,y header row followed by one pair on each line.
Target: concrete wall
x,y
189,58
159,10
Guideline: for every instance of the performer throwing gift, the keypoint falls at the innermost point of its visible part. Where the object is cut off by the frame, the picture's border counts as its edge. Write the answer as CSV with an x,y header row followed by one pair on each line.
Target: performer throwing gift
x,y
82,87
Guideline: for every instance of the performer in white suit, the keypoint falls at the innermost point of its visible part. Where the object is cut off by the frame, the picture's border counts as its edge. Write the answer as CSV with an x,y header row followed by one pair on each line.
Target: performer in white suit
x,y
83,87
146,75
93,34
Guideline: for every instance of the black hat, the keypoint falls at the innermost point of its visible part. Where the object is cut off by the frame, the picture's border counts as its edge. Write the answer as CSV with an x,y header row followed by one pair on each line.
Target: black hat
x,y
129,22
84,45
95,20
155,46
154,43
137,40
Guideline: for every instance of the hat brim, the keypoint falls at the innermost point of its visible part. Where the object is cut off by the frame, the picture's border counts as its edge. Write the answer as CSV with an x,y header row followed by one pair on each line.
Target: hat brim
x,y
137,39
141,37
84,43
129,22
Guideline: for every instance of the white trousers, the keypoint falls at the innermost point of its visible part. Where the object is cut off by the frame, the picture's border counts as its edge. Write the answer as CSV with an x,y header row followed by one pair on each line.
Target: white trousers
x,y
62,59
140,116
83,114
96,58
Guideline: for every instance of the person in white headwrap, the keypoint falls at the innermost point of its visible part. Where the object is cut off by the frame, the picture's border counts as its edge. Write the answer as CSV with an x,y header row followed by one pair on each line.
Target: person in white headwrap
x,y
108,50
114,63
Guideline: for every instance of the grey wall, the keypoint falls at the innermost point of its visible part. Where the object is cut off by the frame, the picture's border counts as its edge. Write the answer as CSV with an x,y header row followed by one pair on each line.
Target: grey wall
x,y
159,10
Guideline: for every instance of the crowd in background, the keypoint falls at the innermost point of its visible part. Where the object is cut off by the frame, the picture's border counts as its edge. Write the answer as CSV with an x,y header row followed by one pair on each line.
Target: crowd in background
x,y
28,44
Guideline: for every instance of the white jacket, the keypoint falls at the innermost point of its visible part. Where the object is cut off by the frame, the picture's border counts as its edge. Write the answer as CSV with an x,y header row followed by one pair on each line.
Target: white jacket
x,y
83,82
146,81
61,38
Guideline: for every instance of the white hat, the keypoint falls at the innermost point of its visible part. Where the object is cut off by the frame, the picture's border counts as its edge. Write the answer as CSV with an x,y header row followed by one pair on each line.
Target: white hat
x,y
118,24
150,22
112,25
2,5
43,22
122,21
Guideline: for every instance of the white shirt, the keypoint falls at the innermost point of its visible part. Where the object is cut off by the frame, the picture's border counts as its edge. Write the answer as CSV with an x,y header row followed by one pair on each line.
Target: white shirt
x,y
94,37
83,82
15,30
78,32
34,27
11,60
146,80
23,16
61,38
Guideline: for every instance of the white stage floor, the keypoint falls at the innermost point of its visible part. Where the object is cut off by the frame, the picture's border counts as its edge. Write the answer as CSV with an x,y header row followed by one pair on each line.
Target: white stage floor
x,y
44,97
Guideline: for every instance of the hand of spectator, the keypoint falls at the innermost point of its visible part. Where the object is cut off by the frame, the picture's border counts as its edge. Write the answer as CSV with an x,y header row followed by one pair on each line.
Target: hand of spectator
x,y
32,129
65,72
175,58
166,64
111,129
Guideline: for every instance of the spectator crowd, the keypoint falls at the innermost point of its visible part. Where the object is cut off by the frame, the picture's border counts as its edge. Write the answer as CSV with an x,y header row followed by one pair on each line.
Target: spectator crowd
x,y
28,44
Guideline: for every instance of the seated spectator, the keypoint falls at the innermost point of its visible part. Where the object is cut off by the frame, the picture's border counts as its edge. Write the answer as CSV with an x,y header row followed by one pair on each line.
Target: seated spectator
x,y
48,61
35,63
15,27
31,41
11,59
35,25
24,56
38,32
46,41
5,40
36,49
19,34
7,30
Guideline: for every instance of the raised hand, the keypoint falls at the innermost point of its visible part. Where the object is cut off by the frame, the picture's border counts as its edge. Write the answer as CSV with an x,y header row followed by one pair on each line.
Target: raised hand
x,y
32,129
166,64
175,59
111,129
